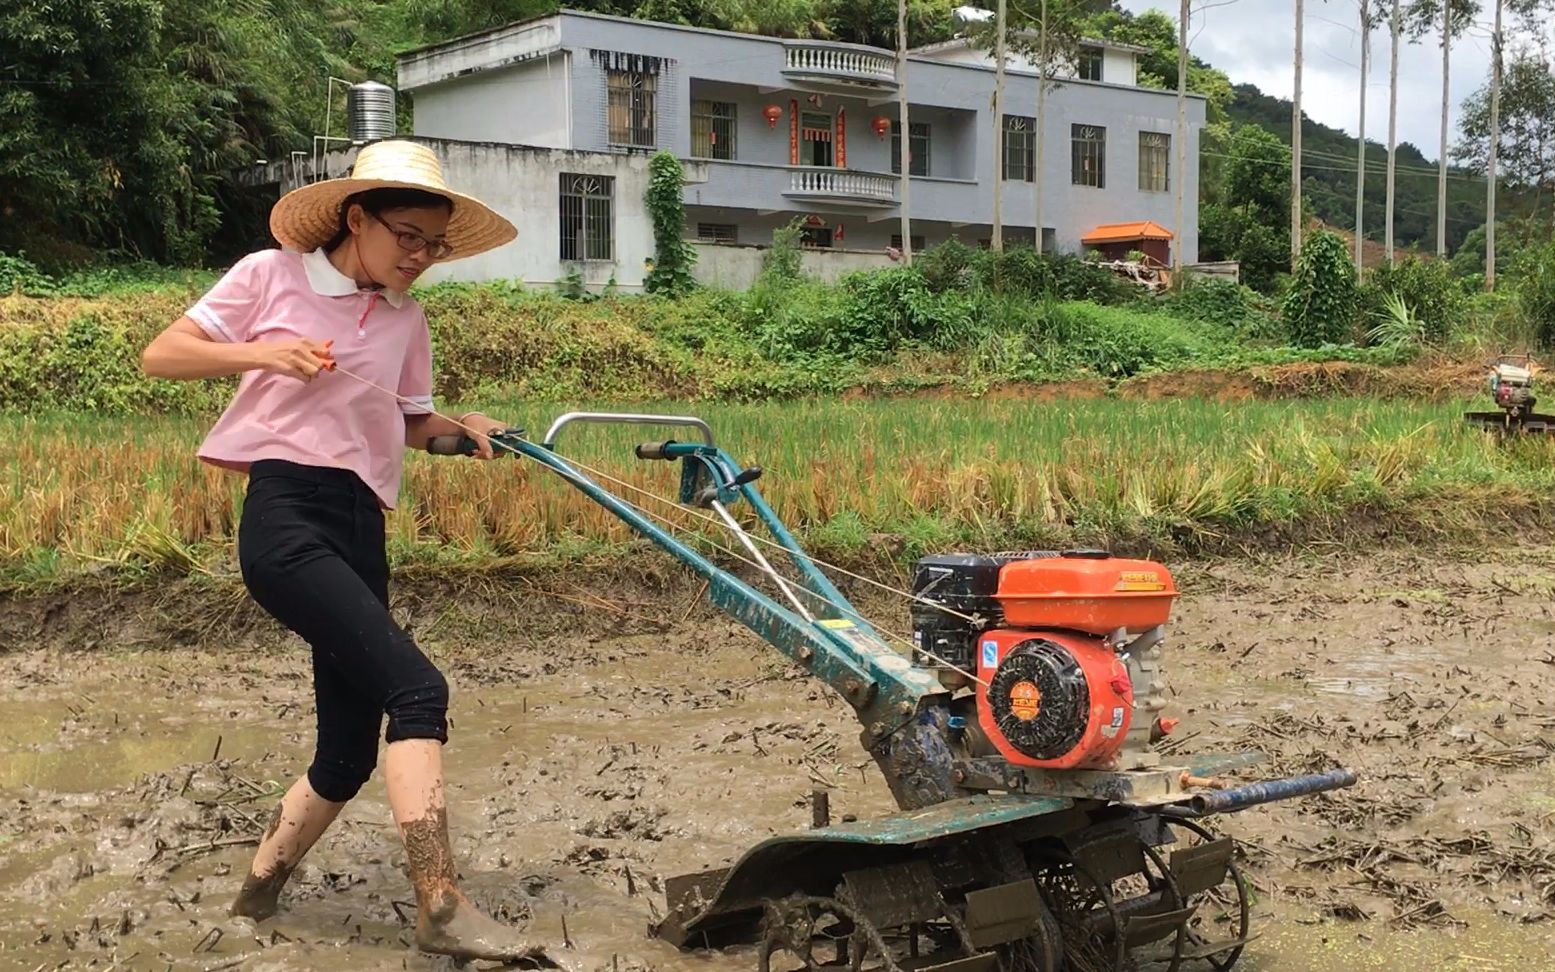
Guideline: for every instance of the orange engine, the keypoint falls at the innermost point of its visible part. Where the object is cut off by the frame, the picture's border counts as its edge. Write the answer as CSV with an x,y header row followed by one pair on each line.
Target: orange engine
x,y
1053,687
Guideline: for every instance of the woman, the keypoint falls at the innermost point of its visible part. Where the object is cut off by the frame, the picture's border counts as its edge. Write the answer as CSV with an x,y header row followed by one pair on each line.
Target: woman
x,y
324,454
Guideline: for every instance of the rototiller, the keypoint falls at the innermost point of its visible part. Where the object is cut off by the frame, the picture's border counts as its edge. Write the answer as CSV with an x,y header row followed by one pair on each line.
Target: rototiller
x,y
1039,827
1511,386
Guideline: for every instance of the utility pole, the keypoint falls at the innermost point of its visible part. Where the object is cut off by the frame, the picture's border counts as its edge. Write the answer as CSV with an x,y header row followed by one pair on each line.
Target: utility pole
x,y
1040,135
904,131
997,243
1441,164
1295,146
1179,176
1360,161
1495,135
1393,27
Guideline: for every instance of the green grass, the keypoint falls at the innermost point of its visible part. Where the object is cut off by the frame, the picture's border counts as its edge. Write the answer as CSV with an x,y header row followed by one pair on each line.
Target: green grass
x,y
853,479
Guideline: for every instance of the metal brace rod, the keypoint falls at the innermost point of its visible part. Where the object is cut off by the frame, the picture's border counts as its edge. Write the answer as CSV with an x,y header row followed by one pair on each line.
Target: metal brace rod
x,y
745,540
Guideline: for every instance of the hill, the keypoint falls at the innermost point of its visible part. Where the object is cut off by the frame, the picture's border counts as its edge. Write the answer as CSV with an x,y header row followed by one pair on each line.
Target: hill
x,y
1328,178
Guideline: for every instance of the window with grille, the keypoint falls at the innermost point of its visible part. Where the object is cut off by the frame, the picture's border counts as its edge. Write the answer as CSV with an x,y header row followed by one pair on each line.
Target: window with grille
x,y
712,130
1020,148
1155,149
815,138
917,148
917,242
1089,157
717,232
633,110
588,217
815,237
1089,66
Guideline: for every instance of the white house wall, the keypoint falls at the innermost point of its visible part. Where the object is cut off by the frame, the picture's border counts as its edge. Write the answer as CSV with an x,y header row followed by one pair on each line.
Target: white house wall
x,y
525,104
1118,67
525,87
524,184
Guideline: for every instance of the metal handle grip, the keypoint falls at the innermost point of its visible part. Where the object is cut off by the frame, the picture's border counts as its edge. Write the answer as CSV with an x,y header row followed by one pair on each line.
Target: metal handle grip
x,y
626,418
451,445
463,445
654,450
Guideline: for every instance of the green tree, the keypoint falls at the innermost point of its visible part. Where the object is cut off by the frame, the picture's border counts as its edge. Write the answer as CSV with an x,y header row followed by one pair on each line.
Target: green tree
x,y
1525,153
1258,173
1320,308
121,119
1249,222
86,126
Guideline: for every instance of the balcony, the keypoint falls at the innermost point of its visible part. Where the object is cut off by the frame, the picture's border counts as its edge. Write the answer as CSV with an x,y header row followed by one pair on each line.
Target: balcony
x,y
845,68
841,186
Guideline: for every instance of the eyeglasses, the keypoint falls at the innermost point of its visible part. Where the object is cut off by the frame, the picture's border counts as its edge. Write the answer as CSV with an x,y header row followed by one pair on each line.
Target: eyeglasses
x,y
415,242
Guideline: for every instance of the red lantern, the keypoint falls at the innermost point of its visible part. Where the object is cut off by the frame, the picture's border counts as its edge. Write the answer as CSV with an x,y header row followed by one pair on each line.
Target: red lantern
x,y
881,125
772,113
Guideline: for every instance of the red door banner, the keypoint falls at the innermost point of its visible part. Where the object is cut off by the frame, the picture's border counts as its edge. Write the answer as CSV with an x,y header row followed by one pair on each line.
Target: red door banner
x,y
793,131
842,138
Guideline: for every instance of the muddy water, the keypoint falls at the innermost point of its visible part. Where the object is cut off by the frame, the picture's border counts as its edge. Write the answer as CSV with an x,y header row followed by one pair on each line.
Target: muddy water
x,y
592,756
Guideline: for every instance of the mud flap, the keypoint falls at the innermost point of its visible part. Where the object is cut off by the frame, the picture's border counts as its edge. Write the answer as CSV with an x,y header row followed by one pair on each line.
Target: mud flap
x,y
895,896
1007,913
1142,930
1197,869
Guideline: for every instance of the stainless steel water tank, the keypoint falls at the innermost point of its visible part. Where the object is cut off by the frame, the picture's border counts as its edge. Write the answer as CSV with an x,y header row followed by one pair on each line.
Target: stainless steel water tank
x,y
369,111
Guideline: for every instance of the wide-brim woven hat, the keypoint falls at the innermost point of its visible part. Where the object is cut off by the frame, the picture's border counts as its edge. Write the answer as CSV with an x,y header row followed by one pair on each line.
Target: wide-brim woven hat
x,y
309,217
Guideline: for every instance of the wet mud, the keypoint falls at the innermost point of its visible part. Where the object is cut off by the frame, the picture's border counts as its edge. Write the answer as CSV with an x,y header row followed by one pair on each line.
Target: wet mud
x,y
606,739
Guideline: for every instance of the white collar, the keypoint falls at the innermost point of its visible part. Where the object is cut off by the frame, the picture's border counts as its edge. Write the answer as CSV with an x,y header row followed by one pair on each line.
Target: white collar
x,y
327,281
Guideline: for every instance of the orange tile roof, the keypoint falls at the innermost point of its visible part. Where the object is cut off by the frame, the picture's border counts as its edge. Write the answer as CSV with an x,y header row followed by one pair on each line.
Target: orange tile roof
x,y
1123,232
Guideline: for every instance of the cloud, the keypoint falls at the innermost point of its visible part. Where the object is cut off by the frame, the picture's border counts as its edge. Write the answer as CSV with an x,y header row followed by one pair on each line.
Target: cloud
x,y
1253,41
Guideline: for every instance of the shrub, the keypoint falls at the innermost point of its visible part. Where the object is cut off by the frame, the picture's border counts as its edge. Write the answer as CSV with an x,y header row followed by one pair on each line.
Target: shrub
x,y
1535,272
1021,271
20,275
947,266
1234,307
1119,342
1427,290
782,260
1320,308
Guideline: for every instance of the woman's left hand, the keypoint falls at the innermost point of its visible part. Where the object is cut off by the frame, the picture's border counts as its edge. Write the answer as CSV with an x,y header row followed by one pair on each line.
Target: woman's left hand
x,y
480,428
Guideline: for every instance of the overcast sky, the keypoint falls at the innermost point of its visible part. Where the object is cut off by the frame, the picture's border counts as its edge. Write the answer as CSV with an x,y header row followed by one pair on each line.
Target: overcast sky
x,y
1253,42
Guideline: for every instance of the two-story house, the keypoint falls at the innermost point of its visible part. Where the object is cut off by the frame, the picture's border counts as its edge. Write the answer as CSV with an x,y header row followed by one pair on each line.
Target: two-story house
x,y
775,129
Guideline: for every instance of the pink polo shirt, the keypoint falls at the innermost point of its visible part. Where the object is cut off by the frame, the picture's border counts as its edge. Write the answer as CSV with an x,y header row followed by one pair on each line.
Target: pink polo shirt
x,y
334,421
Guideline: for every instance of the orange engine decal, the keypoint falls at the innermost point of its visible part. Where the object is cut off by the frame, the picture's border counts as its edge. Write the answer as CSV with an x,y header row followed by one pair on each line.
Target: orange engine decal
x,y
1026,701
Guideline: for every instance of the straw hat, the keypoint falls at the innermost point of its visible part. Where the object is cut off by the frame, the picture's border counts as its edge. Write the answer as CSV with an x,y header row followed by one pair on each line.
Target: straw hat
x,y
309,217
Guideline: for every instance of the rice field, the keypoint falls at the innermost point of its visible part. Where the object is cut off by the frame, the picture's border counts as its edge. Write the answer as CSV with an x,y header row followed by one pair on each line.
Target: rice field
x,y
85,493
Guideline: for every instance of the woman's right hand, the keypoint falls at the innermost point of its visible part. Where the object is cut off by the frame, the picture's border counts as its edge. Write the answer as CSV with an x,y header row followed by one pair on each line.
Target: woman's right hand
x,y
300,359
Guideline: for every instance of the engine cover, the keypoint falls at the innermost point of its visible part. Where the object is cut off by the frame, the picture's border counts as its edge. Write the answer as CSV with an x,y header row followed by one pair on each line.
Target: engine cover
x,y
1051,699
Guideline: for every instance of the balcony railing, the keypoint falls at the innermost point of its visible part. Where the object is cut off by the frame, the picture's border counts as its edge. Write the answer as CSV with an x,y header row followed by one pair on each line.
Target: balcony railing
x,y
842,185
838,62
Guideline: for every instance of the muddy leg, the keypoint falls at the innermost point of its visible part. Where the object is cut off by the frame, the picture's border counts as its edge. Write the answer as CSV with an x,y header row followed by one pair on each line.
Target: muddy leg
x,y
446,922
300,819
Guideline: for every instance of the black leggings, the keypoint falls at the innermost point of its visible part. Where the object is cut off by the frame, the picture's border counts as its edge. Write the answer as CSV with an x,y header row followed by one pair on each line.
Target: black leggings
x,y
311,546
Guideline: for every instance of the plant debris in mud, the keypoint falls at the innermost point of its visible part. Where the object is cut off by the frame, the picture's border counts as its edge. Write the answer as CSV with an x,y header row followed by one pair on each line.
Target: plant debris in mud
x,y
581,736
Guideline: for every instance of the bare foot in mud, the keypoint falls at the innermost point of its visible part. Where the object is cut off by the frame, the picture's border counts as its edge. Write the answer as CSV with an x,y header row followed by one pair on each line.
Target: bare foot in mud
x,y
259,895
456,928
